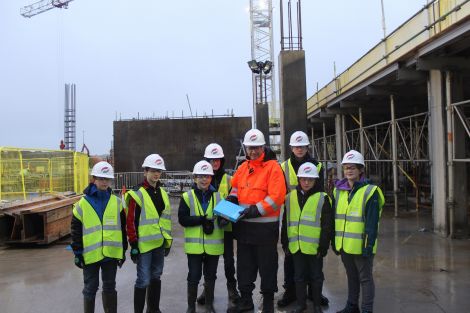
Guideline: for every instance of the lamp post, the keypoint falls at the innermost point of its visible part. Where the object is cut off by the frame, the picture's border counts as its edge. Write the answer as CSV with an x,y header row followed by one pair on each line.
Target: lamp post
x,y
261,106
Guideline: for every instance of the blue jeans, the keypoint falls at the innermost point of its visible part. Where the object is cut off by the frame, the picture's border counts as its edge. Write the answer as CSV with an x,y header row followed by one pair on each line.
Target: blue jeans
x,y
91,278
149,267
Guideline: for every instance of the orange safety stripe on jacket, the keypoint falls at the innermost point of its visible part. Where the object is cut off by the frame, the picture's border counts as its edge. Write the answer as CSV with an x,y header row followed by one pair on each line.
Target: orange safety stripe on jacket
x,y
264,186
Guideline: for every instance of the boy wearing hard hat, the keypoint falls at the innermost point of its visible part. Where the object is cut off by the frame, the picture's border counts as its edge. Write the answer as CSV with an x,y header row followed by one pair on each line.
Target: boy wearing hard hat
x,y
203,237
358,205
99,238
299,155
221,181
148,230
307,230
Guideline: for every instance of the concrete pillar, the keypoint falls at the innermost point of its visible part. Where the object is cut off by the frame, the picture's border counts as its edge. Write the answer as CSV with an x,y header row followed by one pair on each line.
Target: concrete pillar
x,y
262,120
339,144
437,153
292,95
457,198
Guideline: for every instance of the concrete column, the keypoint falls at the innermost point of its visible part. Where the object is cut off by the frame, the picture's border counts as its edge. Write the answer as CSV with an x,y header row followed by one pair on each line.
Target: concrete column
x,y
262,120
437,153
458,183
339,144
292,95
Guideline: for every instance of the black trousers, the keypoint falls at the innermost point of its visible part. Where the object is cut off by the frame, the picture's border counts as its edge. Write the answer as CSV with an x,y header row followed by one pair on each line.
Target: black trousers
x,y
199,263
309,269
289,273
252,259
229,261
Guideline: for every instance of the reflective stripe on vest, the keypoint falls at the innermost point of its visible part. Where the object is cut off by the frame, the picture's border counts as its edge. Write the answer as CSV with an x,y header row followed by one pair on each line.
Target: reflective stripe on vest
x,y
100,239
349,218
195,240
291,176
153,230
304,226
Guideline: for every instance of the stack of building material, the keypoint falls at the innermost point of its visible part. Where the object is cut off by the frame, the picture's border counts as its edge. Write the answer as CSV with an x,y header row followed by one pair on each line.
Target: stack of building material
x,y
41,221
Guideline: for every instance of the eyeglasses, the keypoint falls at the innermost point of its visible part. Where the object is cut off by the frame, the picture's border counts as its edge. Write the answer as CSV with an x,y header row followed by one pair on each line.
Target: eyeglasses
x,y
252,148
349,168
202,176
103,178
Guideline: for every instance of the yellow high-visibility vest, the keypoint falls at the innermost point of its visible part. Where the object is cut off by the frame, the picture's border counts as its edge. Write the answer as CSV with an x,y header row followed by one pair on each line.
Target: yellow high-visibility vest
x,y
100,239
195,240
349,218
224,188
291,176
304,226
153,230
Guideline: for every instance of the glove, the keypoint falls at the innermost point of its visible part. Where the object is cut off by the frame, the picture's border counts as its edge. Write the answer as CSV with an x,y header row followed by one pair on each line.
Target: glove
x,y
208,226
121,261
286,251
250,212
367,252
135,255
78,260
321,253
232,199
166,252
222,222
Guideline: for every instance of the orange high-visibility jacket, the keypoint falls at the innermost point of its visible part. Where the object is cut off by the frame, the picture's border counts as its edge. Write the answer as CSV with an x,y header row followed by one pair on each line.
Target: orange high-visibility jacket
x,y
261,183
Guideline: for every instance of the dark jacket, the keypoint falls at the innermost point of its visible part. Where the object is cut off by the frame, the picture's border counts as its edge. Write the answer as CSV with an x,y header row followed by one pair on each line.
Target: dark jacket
x,y
133,212
371,211
308,158
184,214
258,233
327,220
96,199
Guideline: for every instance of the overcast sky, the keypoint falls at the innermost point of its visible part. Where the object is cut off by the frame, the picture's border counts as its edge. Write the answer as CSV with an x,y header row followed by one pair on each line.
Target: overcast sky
x,y
132,58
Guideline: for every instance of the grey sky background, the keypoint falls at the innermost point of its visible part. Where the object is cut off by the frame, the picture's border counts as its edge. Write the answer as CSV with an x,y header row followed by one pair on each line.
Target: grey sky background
x,y
132,58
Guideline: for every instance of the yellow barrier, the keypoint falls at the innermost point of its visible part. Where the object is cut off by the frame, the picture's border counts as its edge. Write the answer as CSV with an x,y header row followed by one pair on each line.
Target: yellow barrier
x,y
27,172
429,22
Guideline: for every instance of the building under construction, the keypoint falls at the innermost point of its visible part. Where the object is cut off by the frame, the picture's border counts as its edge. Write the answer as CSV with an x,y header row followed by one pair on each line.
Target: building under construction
x,y
406,106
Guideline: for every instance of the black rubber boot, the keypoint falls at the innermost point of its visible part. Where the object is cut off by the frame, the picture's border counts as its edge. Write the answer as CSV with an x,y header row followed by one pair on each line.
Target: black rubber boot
x,y
192,295
233,295
287,297
301,295
89,305
139,299
109,302
153,296
209,290
323,299
243,305
268,302
202,297
350,308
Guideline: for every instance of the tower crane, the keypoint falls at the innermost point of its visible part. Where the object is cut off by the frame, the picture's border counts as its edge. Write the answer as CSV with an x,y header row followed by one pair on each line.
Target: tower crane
x,y
43,6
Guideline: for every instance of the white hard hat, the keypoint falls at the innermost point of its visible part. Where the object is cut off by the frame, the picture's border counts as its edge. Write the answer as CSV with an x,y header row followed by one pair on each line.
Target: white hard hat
x,y
254,137
203,168
299,139
353,157
154,161
308,170
103,169
214,151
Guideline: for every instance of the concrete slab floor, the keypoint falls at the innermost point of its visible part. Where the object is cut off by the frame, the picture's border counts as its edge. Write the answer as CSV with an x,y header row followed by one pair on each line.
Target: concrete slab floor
x,y
415,271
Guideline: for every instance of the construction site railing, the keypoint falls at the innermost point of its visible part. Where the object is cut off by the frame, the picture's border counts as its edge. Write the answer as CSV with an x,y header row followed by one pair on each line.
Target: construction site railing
x,y
174,182
25,173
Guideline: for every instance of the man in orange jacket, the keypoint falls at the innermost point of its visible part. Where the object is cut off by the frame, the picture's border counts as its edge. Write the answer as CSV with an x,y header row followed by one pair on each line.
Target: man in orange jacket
x,y
258,185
